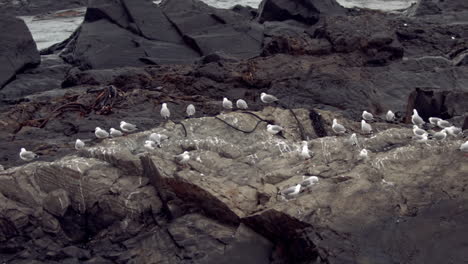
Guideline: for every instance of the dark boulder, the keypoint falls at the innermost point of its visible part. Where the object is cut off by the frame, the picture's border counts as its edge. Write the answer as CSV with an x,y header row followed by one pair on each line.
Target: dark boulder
x,y
305,11
18,50
209,30
424,7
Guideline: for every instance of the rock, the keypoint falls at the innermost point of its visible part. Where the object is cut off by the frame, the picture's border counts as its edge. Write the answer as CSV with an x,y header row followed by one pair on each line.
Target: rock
x,y
33,7
18,50
305,11
75,252
424,7
57,202
208,30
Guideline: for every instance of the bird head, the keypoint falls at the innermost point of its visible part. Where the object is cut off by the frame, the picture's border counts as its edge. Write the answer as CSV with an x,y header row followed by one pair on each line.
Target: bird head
x,y
334,121
415,111
164,105
98,128
23,149
363,122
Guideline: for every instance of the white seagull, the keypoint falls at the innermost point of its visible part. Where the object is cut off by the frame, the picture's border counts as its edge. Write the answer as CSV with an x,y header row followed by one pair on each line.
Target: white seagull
x,y
309,181
227,104
364,154
165,113
367,116
421,139
183,158
27,155
268,98
464,146
434,120
443,124
305,154
115,132
454,131
79,144
418,131
157,138
190,110
441,135
101,133
353,140
416,119
390,116
292,191
127,127
274,129
366,128
338,128
241,104
149,144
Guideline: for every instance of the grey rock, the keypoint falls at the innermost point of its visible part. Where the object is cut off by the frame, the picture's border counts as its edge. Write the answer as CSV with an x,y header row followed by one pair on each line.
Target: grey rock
x,y
57,202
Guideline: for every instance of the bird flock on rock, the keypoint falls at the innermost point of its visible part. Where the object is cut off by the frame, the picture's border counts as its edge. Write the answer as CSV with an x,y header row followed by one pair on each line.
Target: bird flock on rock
x,y
155,139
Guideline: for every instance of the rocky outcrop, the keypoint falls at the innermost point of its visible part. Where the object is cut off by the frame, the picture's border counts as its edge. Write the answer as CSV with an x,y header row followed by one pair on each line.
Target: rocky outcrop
x,y
18,50
304,11
226,201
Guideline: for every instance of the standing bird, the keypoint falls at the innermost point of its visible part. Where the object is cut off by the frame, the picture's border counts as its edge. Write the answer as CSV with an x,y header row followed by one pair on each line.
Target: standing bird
x,y
441,135
353,140
227,104
241,104
443,124
418,131
464,147
367,116
434,120
390,116
165,113
268,98
454,131
27,155
190,110
291,191
183,158
79,144
304,151
157,138
366,128
101,133
338,128
274,129
421,139
115,132
364,154
127,127
416,119
309,181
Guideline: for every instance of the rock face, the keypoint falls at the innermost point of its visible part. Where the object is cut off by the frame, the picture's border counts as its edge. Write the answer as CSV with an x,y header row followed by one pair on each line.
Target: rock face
x,y
304,11
18,50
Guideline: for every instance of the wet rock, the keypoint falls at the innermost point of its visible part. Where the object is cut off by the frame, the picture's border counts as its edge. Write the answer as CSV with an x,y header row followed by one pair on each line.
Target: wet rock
x,y
305,11
18,50
57,202
75,252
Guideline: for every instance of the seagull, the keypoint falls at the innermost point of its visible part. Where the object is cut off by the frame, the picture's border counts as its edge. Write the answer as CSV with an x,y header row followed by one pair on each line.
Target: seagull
x,y
183,158
338,128
165,113
292,191
443,124
421,139
157,138
441,135
464,147
454,131
364,154
305,151
367,116
149,145
309,181
416,119
390,116
268,98
115,132
227,104
274,129
101,133
127,127
366,128
190,110
79,144
353,140
434,120
27,155
418,131
241,104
